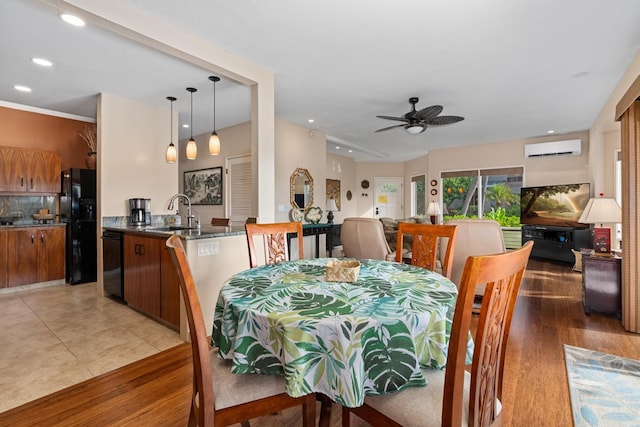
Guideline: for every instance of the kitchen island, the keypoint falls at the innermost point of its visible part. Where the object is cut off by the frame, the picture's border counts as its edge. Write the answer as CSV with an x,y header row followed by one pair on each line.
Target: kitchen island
x,y
215,253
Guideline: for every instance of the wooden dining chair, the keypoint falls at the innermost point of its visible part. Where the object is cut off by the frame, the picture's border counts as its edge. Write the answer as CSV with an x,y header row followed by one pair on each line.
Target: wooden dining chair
x,y
425,245
456,397
221,398
220,221
275,241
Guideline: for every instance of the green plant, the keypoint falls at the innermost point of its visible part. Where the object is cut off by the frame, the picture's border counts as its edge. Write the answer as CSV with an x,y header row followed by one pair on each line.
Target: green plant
x,y
500,215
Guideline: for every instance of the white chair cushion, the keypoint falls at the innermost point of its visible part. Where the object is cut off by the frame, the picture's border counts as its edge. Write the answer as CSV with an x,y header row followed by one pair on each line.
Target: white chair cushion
x,y
421,406
233,389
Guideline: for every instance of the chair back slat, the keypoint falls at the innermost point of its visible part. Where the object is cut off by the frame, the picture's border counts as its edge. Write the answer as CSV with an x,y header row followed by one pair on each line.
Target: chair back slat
x,y
275,241
426,240
203,398
502,274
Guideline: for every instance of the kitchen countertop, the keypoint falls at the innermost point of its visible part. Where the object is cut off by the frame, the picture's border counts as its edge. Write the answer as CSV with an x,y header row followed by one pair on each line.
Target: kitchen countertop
x,y
49,224
204,232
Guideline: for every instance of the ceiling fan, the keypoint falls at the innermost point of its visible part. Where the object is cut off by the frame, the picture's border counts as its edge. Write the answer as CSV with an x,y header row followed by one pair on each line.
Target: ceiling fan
x,y
416,122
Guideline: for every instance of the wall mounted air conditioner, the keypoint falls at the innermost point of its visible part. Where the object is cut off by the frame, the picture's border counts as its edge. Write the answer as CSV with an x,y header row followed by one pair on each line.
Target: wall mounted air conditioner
x,y
571,147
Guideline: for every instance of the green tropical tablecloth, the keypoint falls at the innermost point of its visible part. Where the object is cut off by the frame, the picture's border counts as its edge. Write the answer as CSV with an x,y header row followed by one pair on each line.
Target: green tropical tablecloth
x,y
344,340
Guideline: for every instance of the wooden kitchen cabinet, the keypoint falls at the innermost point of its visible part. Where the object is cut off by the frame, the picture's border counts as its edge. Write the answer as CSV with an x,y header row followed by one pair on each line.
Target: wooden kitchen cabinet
x,y
35,254
169,289
25,170
3,258
150,280
142,273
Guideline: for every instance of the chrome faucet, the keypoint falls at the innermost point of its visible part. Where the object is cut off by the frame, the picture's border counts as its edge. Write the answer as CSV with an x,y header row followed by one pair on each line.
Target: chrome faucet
x,y
190,215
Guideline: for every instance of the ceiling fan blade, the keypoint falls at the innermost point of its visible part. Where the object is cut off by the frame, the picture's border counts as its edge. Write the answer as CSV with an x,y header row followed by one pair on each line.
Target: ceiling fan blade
x,y
397,119
429,112
444,120
390,127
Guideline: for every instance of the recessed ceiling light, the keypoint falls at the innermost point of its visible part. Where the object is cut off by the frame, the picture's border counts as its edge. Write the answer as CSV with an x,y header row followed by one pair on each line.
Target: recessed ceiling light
x,y
72,19
550,131
185,126
311,120
351,151
42,61
22,88
337,147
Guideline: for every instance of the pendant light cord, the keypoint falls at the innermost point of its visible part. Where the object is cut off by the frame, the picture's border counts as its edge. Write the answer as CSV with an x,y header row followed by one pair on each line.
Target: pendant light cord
x,y
214,106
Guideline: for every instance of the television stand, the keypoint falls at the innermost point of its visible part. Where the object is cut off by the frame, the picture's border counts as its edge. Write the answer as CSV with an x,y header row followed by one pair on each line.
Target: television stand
x,y
555,243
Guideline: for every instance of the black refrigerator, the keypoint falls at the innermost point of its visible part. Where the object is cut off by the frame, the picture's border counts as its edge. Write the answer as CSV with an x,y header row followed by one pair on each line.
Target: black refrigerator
x,y
78,211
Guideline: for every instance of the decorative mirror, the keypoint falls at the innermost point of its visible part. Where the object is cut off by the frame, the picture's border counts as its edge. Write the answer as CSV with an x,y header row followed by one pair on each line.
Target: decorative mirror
x,y
301,186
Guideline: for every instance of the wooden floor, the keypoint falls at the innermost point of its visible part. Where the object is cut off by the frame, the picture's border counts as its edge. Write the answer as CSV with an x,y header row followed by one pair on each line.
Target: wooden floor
x,y
156,391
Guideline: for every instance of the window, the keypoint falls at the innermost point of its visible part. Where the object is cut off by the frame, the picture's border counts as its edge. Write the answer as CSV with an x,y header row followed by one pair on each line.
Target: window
x,y
418,195
483,193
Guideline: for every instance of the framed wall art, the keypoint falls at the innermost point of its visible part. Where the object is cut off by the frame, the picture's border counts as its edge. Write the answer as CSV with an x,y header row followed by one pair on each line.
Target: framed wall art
x,y
204,186
333,190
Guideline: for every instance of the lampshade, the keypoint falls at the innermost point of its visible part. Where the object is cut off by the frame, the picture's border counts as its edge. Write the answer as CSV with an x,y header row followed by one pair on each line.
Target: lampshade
x,y
214,140
192,147
214,144
601,210
331,205
433,208
171,155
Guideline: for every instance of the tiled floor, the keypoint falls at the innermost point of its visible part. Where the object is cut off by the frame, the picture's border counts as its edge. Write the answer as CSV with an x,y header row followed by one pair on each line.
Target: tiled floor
x,y
53,337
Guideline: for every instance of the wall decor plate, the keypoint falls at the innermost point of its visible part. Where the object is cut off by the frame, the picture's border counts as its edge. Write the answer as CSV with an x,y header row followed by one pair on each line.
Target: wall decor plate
x,y
364,183
297,215
434,191
434,182
313,215
349,195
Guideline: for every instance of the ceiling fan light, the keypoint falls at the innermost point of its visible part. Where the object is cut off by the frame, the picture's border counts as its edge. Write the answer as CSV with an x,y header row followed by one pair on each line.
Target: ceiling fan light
x,y
414,129
214,144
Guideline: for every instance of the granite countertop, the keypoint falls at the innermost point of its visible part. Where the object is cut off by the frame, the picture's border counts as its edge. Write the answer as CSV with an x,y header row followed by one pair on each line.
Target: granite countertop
x,y
49,224
204,232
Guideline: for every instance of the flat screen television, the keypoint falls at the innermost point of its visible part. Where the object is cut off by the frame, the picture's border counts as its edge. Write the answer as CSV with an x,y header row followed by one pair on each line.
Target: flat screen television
x,y
554,205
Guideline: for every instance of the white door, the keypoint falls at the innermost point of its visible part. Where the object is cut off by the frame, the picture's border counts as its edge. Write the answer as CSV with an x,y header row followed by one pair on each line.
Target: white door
x,y
239,198
387,197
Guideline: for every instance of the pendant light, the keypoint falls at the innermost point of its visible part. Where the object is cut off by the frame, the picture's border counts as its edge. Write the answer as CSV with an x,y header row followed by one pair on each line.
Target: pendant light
x,y
172,153
214,140
192,148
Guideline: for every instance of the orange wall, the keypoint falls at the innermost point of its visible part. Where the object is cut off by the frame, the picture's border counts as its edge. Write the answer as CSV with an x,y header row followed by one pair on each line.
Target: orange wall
x,y
34,130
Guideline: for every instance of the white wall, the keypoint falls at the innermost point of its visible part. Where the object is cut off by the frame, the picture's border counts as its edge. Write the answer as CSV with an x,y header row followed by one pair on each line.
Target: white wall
x,y
131,153
234,141
344,169
298,147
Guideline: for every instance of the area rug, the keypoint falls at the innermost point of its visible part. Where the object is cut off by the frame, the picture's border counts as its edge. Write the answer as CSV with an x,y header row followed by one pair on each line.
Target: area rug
x,y
604,388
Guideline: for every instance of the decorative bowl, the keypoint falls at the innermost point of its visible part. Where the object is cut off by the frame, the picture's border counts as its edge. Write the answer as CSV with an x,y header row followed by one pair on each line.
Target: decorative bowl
x,y
313,215
297,215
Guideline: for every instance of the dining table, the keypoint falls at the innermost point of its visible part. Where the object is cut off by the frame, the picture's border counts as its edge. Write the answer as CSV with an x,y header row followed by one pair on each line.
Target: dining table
x,y
342,339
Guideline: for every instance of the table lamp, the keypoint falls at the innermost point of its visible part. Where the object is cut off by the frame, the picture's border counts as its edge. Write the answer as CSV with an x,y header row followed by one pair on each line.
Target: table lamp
x,y
433,210
331,206
601,210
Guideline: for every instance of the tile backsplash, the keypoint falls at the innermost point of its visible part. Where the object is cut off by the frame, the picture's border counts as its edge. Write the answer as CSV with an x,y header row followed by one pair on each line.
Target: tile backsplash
x,y
22,208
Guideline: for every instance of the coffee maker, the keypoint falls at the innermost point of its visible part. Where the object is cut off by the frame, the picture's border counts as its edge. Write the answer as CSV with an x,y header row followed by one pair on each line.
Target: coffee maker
x,y
139,212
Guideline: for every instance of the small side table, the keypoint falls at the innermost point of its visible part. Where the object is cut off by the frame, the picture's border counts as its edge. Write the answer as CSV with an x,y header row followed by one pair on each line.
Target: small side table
x,y
601,283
